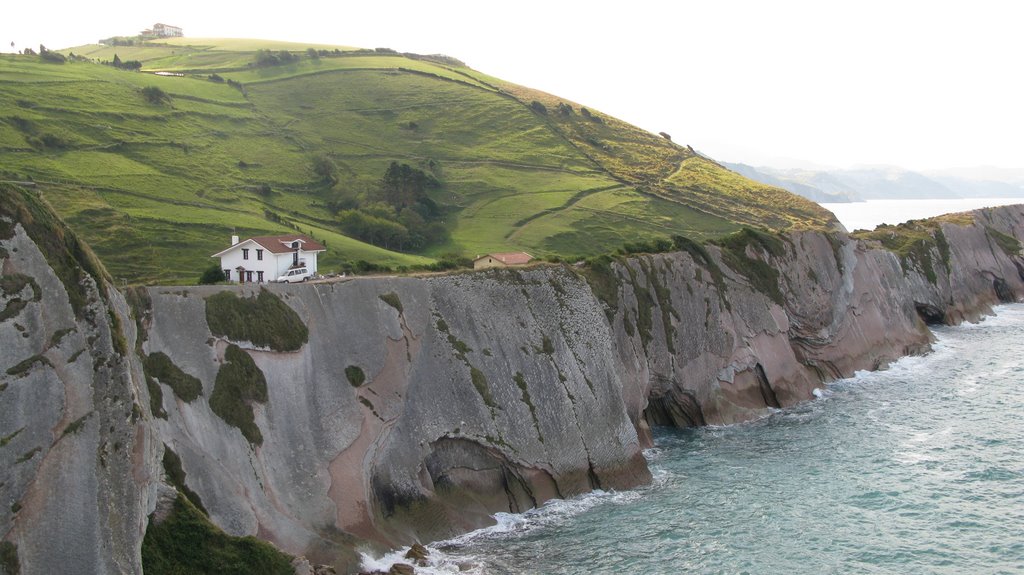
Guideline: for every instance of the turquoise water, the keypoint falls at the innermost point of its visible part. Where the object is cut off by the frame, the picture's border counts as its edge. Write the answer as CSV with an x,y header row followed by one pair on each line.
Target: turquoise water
x,y
916,469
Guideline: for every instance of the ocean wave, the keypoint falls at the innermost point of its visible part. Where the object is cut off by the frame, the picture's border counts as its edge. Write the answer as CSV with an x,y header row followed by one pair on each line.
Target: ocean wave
x,y
446,556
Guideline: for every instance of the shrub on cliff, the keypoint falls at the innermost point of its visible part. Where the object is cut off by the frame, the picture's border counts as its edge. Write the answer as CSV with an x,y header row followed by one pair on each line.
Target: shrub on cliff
x,y
187,542
70,259
239,383
265,320
762,275
185,386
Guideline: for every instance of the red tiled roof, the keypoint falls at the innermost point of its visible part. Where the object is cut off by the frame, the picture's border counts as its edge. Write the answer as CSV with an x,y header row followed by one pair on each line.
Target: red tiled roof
x,y
510,258
283,244
278,244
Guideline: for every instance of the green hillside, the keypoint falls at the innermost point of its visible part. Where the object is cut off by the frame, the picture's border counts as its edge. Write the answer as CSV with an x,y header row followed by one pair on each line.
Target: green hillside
x,y
155,171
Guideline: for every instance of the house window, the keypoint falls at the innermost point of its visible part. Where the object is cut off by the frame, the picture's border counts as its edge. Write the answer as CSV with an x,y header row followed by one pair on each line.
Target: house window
x,y
295,245
259,277
248,276
245,253
227,275
259,254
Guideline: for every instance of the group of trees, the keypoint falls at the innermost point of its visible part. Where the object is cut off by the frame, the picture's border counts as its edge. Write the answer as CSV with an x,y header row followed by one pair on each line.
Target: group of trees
x,y
49,55
272,58
396,213
132,65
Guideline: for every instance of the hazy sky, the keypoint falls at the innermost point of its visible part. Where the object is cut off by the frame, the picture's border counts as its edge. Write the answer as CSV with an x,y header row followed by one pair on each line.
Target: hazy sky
x,y
917,84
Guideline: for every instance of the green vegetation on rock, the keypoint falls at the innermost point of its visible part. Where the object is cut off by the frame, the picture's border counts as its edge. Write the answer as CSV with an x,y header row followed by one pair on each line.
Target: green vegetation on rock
x,y
915,242
520,381
355,375
264,320
392,300
11,285
239,383
158,365
1008,244
68,257
176,475
7,438
24,366
9,558
187,542
762,275
480,383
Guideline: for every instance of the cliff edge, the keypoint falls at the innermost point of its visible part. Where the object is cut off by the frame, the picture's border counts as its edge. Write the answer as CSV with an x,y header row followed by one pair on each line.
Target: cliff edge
x,y
383,411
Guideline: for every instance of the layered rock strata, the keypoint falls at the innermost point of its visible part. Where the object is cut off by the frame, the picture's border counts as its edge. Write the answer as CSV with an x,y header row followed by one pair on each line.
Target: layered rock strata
x,y
391,410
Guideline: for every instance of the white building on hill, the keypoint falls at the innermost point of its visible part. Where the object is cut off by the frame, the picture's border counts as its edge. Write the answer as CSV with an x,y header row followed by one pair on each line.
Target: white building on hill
x,y
163,31
266,258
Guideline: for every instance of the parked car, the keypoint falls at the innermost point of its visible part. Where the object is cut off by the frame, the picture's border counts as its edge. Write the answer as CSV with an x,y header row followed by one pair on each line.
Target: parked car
x,y
295,275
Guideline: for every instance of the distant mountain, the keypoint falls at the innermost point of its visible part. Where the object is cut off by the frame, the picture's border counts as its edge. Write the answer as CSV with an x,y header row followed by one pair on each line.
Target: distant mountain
x,y
819,190
888,182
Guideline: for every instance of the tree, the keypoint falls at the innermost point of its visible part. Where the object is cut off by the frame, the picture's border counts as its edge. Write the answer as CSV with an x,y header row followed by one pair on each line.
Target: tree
x,y
212,275
51,56
154,95
404,186
324,167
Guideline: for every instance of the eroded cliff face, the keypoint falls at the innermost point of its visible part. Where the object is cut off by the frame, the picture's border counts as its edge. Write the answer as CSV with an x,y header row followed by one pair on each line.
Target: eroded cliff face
x,y
479,393
703,346
77,458
411,409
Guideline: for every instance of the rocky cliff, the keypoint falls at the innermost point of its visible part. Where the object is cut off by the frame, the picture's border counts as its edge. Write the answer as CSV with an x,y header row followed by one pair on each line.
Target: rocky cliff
x,y
378,412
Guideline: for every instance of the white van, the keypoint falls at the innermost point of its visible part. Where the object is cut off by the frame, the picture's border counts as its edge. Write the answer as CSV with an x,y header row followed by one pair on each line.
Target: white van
x,y
295,275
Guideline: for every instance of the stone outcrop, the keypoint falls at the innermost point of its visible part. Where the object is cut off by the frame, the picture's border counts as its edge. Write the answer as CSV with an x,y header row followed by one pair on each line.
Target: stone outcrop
x,y
411,409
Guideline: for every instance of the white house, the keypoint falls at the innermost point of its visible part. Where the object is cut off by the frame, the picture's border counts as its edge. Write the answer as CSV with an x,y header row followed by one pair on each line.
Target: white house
x,y
266,258
164,31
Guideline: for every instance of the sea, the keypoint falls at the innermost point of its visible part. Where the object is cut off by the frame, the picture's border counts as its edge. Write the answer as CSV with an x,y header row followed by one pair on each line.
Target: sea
x,y
914,469
867,215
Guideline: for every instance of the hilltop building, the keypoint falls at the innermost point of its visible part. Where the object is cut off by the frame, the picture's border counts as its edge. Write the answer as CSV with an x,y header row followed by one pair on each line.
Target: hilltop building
x,y
501,260
164,31
266,258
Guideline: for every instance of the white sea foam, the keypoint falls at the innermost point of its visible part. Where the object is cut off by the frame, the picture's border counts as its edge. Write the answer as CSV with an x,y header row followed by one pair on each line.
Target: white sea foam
x,y
445,556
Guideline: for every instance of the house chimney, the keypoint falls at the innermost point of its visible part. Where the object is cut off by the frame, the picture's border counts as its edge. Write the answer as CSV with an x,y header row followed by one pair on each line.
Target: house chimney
x,y
234,240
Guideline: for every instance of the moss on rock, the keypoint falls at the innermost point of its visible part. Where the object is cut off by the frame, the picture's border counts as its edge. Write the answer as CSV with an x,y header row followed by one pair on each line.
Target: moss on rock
x,y
66,254
355,375
187,542
239,383
158,365
264,320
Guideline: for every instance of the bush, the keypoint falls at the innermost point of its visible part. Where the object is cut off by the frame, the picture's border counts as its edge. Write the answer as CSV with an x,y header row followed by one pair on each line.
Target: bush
x,y
155,95
51,56
239,383
160,366
392,300
355,375
212,275
187,542
539,108
265,320
271,58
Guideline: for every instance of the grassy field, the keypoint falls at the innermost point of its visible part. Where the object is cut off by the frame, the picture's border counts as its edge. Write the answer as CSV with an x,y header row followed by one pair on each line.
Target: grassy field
x,y
156,187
